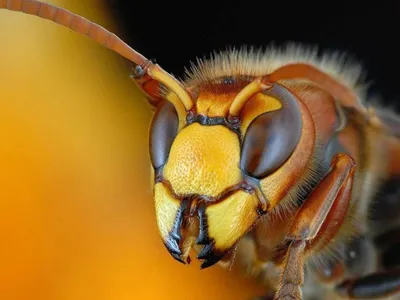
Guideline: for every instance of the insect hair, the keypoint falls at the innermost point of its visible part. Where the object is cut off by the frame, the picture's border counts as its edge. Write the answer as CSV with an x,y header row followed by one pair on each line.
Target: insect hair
x,y
253,61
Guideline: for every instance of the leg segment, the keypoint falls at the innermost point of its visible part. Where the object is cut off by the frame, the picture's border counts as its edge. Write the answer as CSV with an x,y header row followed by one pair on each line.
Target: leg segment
x,y
316,223
376,285
379,284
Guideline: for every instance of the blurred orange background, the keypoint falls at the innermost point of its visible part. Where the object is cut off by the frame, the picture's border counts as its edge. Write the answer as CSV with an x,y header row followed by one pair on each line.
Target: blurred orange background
x,y
76,217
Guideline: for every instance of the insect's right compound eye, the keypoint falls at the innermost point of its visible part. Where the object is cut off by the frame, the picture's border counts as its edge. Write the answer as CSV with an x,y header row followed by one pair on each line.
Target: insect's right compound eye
x,y
164,128
272,137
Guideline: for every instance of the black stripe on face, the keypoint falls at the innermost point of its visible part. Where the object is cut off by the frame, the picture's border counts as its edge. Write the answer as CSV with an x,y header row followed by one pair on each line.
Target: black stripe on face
x,y
233,124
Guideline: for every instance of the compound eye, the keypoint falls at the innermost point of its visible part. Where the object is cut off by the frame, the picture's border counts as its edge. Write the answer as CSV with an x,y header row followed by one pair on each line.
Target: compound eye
x,y
163,130
272,137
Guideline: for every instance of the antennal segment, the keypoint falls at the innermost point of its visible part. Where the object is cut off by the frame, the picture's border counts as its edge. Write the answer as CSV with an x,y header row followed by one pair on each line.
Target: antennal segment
x,y
76,23
102,36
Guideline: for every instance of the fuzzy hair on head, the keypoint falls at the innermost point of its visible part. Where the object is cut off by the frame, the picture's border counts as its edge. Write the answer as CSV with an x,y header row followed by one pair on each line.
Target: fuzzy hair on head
x,y
250,61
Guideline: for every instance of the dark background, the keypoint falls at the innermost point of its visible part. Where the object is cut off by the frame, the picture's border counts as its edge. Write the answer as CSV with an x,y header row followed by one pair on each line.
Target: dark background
x,y
176,33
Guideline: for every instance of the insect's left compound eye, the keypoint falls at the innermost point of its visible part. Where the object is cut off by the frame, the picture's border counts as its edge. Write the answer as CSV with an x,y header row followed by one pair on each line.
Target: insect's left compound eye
x,y
164,128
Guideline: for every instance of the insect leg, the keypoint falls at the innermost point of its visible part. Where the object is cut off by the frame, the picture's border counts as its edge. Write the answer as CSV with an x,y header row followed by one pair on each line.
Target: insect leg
x,y
317,221
376,285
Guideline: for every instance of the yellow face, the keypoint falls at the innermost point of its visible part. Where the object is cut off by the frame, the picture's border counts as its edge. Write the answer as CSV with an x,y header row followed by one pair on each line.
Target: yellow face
x,y
206,196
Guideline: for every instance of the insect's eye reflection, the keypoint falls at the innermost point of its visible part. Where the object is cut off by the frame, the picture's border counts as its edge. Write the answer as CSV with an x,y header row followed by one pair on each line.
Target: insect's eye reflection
x,y
164,128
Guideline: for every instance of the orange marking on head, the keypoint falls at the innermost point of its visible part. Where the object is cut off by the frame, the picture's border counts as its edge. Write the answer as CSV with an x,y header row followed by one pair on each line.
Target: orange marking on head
x,y
256,106
213,105
216,103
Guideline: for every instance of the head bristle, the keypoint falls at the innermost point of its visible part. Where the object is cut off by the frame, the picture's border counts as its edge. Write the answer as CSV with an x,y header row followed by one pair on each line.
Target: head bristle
x,y
250,61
